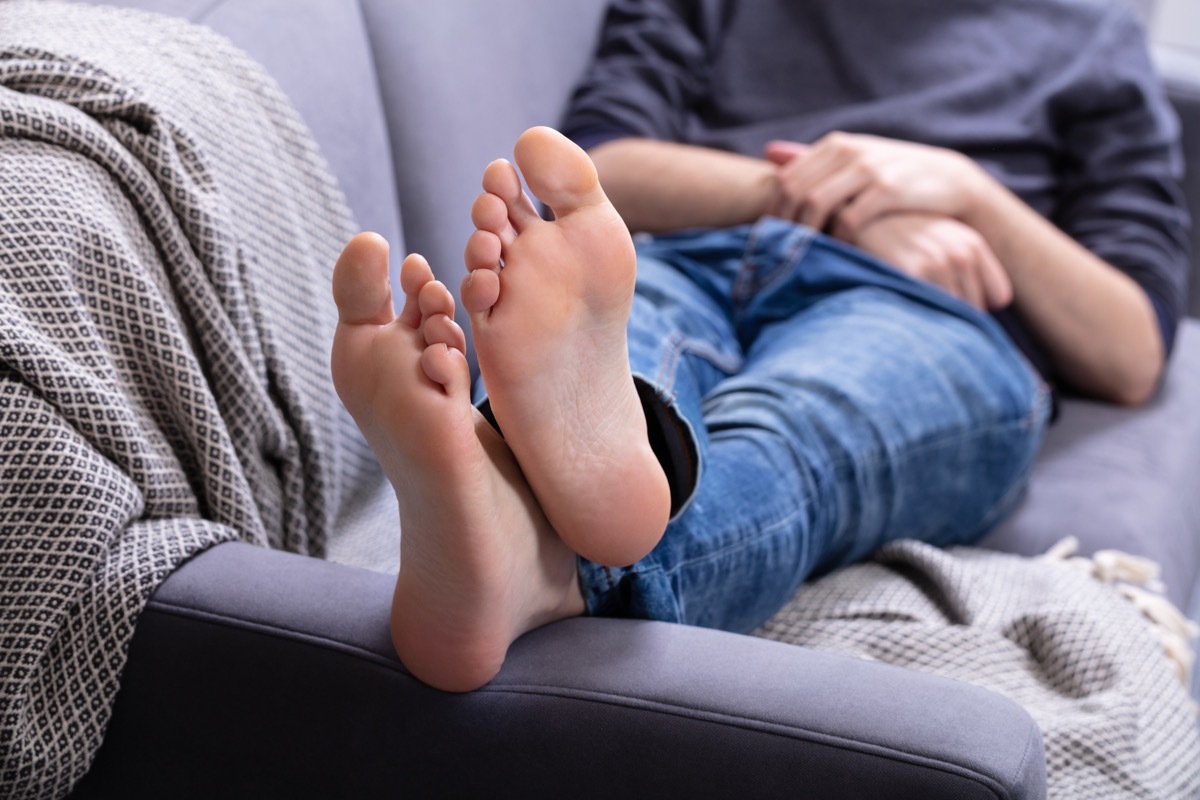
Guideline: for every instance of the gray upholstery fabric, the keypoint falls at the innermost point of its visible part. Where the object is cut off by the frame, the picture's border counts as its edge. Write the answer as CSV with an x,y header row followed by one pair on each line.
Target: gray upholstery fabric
x,y
313,703
1181,74
1122,479
318,52
507,66
1144,8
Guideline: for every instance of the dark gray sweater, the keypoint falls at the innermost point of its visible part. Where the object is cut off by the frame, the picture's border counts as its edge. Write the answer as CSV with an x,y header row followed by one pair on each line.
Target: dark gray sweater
x,y
1056,98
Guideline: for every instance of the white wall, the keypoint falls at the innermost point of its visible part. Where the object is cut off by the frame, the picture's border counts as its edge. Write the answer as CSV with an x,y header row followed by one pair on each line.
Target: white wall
x,y
1177,23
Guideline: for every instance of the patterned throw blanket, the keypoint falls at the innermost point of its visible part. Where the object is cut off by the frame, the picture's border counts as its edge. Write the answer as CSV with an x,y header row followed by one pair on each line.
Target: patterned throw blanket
x,y
167,230
167,235
1098,661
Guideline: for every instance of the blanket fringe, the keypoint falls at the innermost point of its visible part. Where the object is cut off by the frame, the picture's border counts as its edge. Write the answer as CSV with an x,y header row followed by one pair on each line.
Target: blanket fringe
x,y
1137,579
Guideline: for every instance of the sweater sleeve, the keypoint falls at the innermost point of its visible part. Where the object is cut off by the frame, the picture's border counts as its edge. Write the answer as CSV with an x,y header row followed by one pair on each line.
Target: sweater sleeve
x,y
650,71
1121,192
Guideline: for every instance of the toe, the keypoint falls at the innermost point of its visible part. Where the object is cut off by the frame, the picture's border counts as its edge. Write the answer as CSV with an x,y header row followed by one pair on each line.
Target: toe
x,y
415,274
501,179
440,329
448,367
361,288
483,251
489,213
558,171
435,298
480,290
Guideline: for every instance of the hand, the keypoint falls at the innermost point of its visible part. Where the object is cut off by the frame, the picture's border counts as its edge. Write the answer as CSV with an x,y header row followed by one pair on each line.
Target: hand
x,y
944,252
846,181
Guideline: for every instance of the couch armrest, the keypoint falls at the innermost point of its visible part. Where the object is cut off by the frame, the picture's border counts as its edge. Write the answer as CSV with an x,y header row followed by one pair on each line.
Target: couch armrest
x,y
256,673
1180,71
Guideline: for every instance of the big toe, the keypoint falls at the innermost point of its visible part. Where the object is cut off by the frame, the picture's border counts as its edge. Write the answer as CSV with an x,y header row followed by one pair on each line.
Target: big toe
x,y
361,288
557,170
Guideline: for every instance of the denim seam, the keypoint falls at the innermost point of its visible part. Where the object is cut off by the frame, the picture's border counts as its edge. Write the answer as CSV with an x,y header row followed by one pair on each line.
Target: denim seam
x,y
802,243
768,530
1024,421
802,239
759,533
1001,508
727,363
1028,419
743,289
1004,504
677,344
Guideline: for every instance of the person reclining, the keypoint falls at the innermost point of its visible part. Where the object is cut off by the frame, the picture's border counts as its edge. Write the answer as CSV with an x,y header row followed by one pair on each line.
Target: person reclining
x,y
839,338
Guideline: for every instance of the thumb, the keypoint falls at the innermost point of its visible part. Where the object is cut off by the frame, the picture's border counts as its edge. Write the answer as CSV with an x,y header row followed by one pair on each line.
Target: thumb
x,y
780,152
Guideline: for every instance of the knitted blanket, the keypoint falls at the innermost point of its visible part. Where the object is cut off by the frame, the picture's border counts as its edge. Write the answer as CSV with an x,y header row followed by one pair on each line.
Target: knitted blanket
x,y
167,235
1099,662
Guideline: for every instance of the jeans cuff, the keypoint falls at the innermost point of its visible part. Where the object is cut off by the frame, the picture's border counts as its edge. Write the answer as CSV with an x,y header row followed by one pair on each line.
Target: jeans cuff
x,y
673,442
634,592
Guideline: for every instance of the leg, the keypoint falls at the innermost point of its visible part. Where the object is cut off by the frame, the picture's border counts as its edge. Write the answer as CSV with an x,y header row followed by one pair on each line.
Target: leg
x,y
549,328
479,563
868,409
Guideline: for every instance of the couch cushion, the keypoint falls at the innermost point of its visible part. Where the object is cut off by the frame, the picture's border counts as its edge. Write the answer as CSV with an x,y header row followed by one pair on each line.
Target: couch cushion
x,y
1123,479
318,52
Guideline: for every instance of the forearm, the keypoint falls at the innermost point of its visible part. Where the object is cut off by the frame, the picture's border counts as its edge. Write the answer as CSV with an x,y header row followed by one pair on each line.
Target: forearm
x,y
1096,323
662,186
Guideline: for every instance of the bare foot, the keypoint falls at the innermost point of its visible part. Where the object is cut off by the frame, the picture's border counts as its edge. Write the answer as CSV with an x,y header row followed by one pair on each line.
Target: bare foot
x,y
479,563
549,329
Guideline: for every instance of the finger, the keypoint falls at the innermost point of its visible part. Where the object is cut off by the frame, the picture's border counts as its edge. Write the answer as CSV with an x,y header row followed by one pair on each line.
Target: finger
x,y
779,151
822,160
839,230
832,195
931,272
996,284
787,204
866,207
934,265
970,287
789,209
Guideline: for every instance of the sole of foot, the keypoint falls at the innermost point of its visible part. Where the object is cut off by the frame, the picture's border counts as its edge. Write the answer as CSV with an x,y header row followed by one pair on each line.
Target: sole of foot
x,y
479,562
549,303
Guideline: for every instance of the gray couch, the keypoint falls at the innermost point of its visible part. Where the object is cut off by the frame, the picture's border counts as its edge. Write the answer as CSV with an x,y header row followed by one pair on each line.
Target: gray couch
x,y
262,674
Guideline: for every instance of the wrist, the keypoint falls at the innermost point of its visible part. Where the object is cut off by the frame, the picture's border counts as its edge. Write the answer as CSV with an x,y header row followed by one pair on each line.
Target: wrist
x,y
762,190
979,194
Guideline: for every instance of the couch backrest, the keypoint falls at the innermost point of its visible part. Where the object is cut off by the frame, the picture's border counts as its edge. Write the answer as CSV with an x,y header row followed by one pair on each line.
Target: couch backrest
x,y
460,81
445,96
318,52
1181,73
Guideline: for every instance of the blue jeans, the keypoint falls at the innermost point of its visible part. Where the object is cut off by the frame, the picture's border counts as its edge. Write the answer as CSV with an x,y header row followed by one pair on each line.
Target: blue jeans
x,y
809,404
